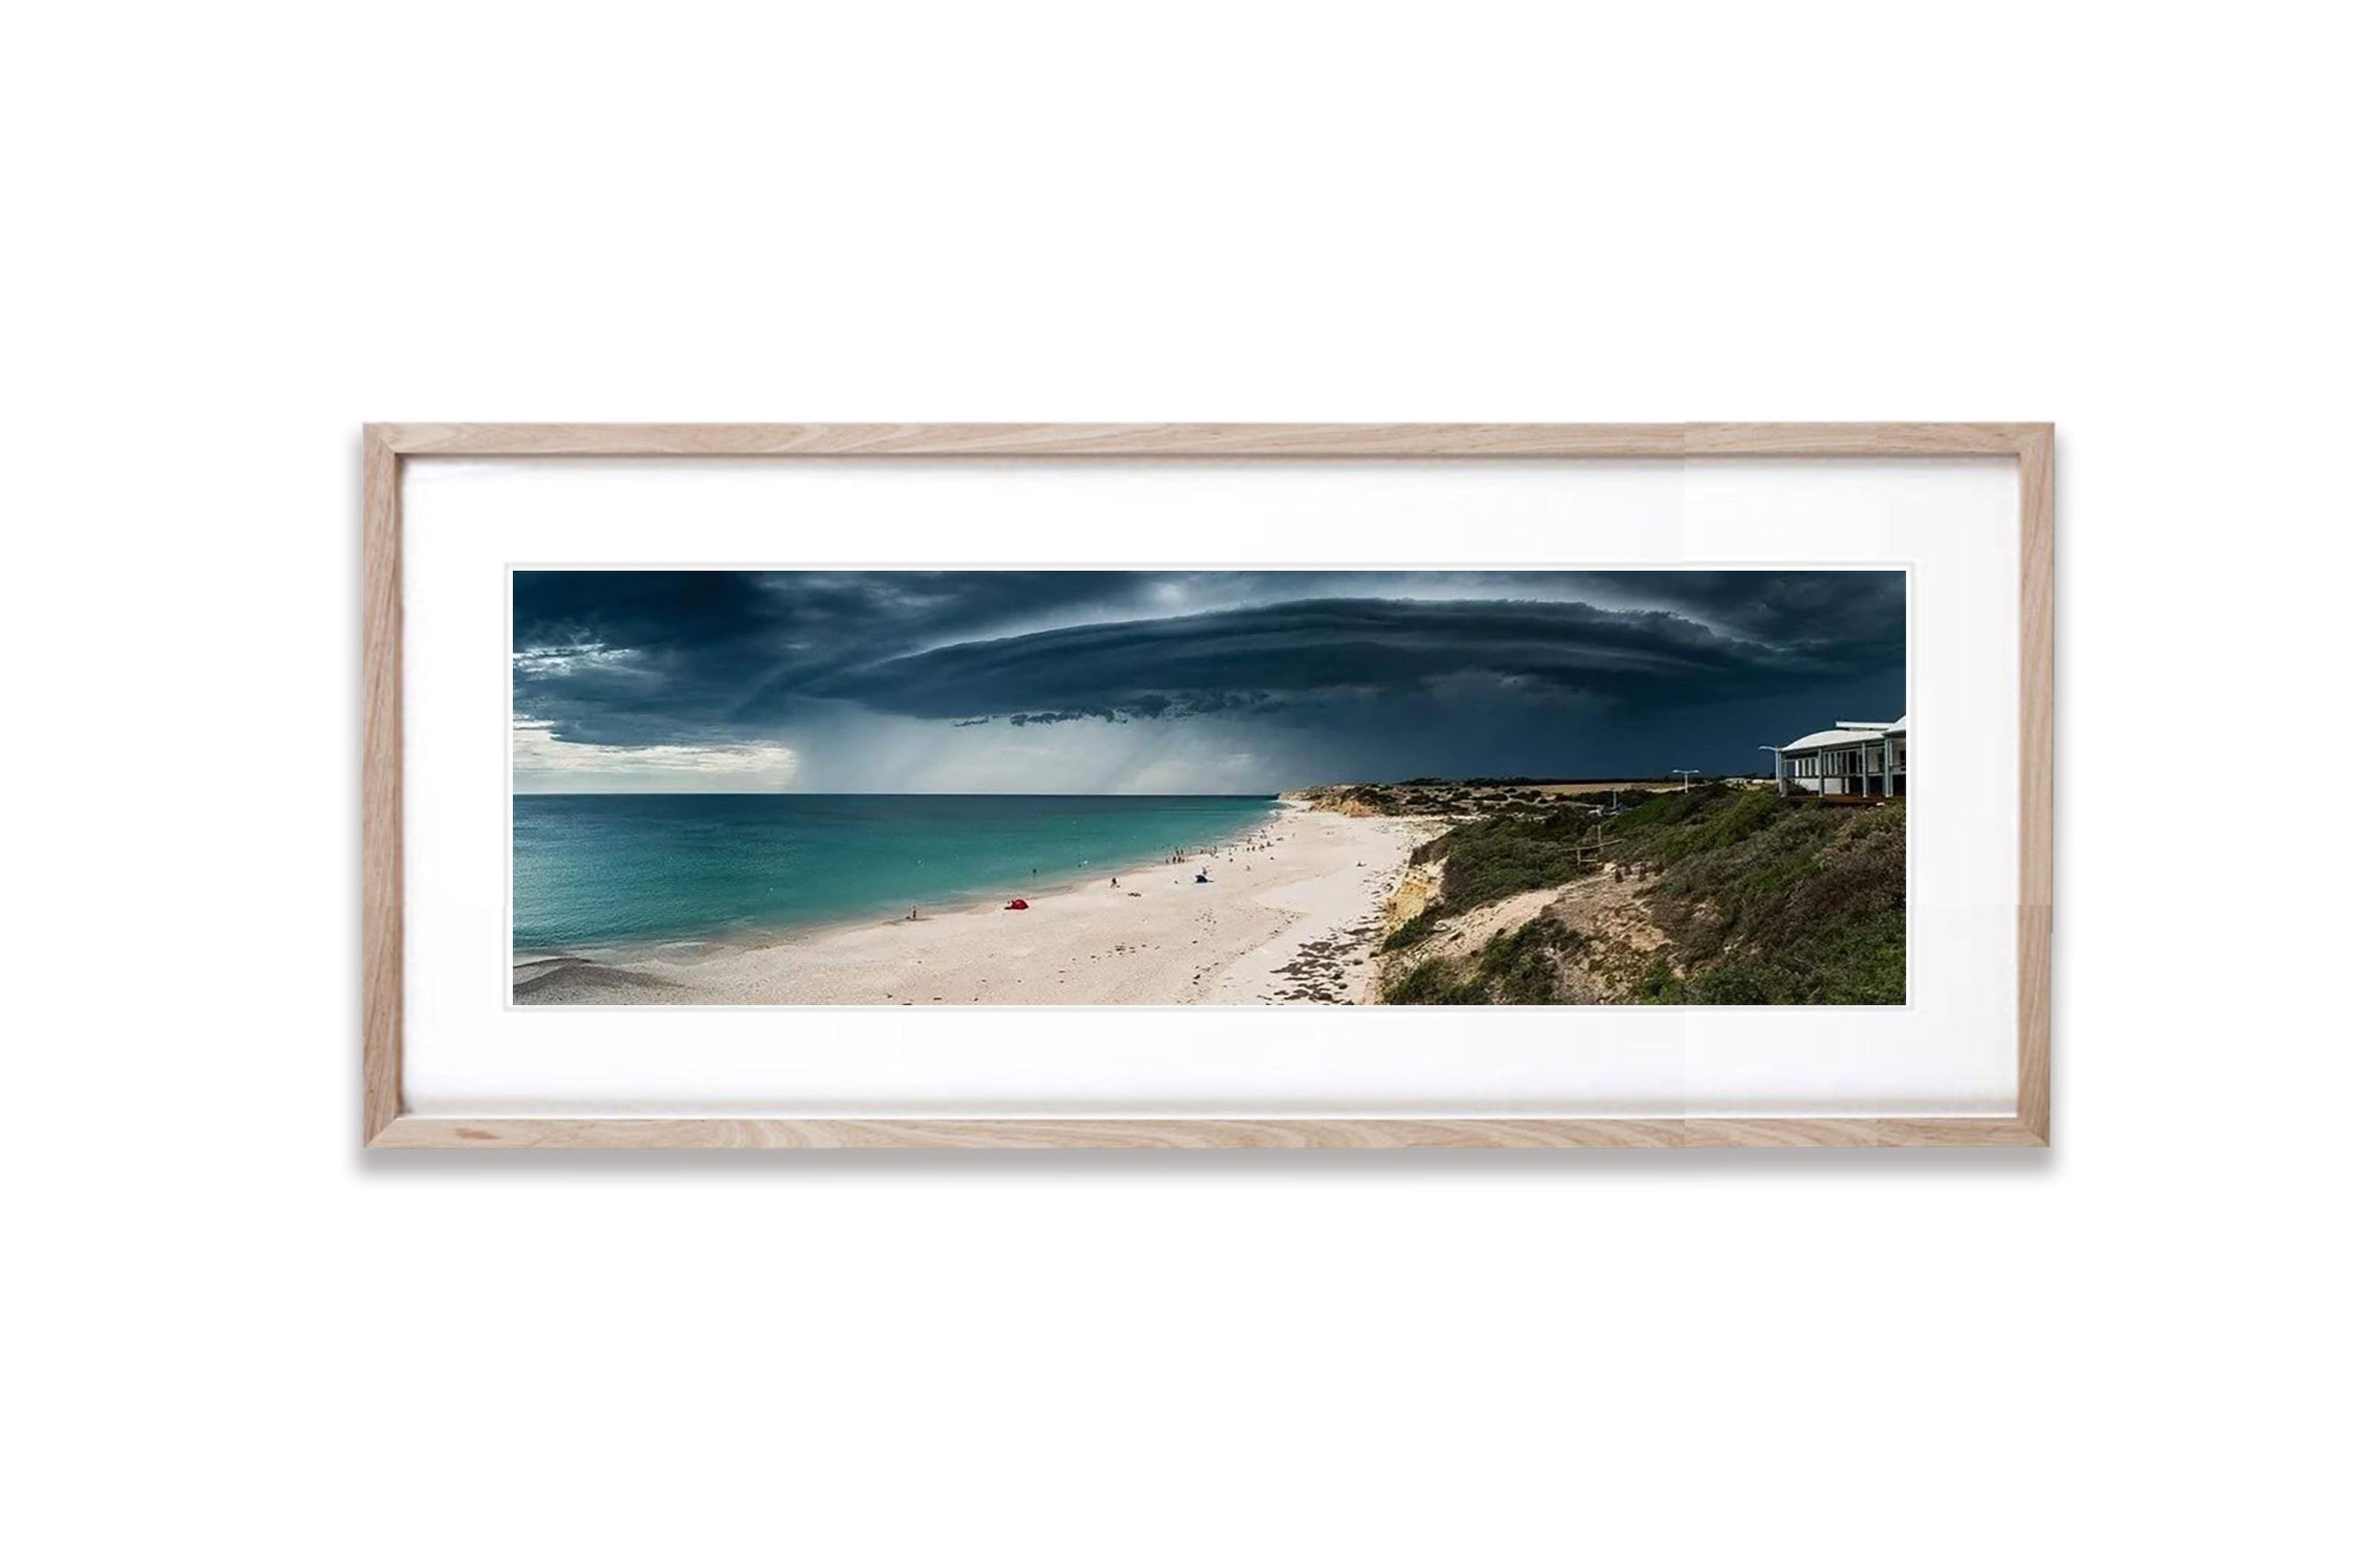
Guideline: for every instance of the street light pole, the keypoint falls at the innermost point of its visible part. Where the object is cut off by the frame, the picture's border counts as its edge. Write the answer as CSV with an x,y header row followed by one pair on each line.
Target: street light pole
x,y
1686,774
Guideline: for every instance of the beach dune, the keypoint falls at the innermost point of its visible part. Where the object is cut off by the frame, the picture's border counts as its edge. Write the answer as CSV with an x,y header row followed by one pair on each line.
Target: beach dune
x,y
1292,922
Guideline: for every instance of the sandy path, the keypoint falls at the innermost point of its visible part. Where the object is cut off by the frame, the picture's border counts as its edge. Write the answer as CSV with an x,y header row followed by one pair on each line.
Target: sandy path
x,y
1472,932
1158,938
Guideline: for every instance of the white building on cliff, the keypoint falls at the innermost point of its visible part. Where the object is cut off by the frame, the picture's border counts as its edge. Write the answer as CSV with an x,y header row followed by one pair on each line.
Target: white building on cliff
x,y
1850,759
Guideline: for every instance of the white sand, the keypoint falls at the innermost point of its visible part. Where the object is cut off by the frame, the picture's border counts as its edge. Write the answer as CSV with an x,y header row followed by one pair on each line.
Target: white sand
x,y
1295,924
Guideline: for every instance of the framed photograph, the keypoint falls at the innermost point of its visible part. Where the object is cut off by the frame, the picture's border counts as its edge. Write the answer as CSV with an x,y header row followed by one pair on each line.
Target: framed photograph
x,y
1050,786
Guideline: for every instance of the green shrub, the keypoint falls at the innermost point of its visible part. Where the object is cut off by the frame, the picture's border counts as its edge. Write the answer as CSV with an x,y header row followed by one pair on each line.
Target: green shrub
x,y
1803,905
1500,856
1660,982
1524,967
1412,930
1433,982
1741,981
1519,968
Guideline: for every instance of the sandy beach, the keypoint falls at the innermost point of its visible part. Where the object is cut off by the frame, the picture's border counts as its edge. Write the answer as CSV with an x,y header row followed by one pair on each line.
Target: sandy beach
x,y
1293,921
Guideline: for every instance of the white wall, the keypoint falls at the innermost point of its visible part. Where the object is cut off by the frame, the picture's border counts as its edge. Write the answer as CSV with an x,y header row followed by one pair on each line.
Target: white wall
x,y
241,230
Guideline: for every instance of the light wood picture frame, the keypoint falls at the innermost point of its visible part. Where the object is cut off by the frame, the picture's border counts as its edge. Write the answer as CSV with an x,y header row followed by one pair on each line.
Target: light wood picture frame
x,y
386,1124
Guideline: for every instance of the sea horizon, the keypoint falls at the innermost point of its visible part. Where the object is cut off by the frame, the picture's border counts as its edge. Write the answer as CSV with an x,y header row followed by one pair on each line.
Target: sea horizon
x,y
973,793
1628,775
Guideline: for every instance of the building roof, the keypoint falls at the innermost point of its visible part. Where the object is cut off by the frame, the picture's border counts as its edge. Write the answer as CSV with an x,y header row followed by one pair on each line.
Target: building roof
x,y
1898,727
1822,738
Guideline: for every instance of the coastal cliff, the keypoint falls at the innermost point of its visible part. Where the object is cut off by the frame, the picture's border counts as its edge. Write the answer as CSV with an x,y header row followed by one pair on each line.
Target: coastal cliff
x,y
1529,892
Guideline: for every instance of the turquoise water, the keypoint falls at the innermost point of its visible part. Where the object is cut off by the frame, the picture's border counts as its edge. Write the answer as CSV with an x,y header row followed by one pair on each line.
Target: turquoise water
x,y
615,870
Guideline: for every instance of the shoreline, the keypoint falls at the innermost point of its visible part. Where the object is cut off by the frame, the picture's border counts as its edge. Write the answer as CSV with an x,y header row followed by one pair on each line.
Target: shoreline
x,y
1289,916
758,939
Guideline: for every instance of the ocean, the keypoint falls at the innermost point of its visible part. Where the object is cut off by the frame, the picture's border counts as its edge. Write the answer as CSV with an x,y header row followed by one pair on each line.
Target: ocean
x,y
618,870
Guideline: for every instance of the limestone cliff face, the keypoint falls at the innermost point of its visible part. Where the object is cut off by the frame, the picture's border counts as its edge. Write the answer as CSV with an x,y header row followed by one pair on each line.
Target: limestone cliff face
x,y
1347,800
1415,891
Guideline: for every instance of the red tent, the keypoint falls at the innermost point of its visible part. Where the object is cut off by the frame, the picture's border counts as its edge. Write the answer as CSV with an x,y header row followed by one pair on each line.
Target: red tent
x,y
1019,904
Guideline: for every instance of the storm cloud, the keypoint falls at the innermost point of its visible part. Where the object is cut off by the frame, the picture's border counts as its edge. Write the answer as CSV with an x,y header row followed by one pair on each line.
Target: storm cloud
x,y
1338,674
1253,658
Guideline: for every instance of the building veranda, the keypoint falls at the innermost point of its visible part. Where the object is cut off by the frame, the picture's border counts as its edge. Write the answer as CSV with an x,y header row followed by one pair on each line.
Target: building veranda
x,y
1852,758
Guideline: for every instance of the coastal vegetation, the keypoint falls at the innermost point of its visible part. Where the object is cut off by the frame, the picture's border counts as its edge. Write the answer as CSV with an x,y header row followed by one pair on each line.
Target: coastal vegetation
x,y
1439,797
1718,895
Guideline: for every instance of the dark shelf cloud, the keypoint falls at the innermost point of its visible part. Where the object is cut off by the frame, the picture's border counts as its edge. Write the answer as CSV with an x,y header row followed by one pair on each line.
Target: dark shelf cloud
x,y
1094,680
